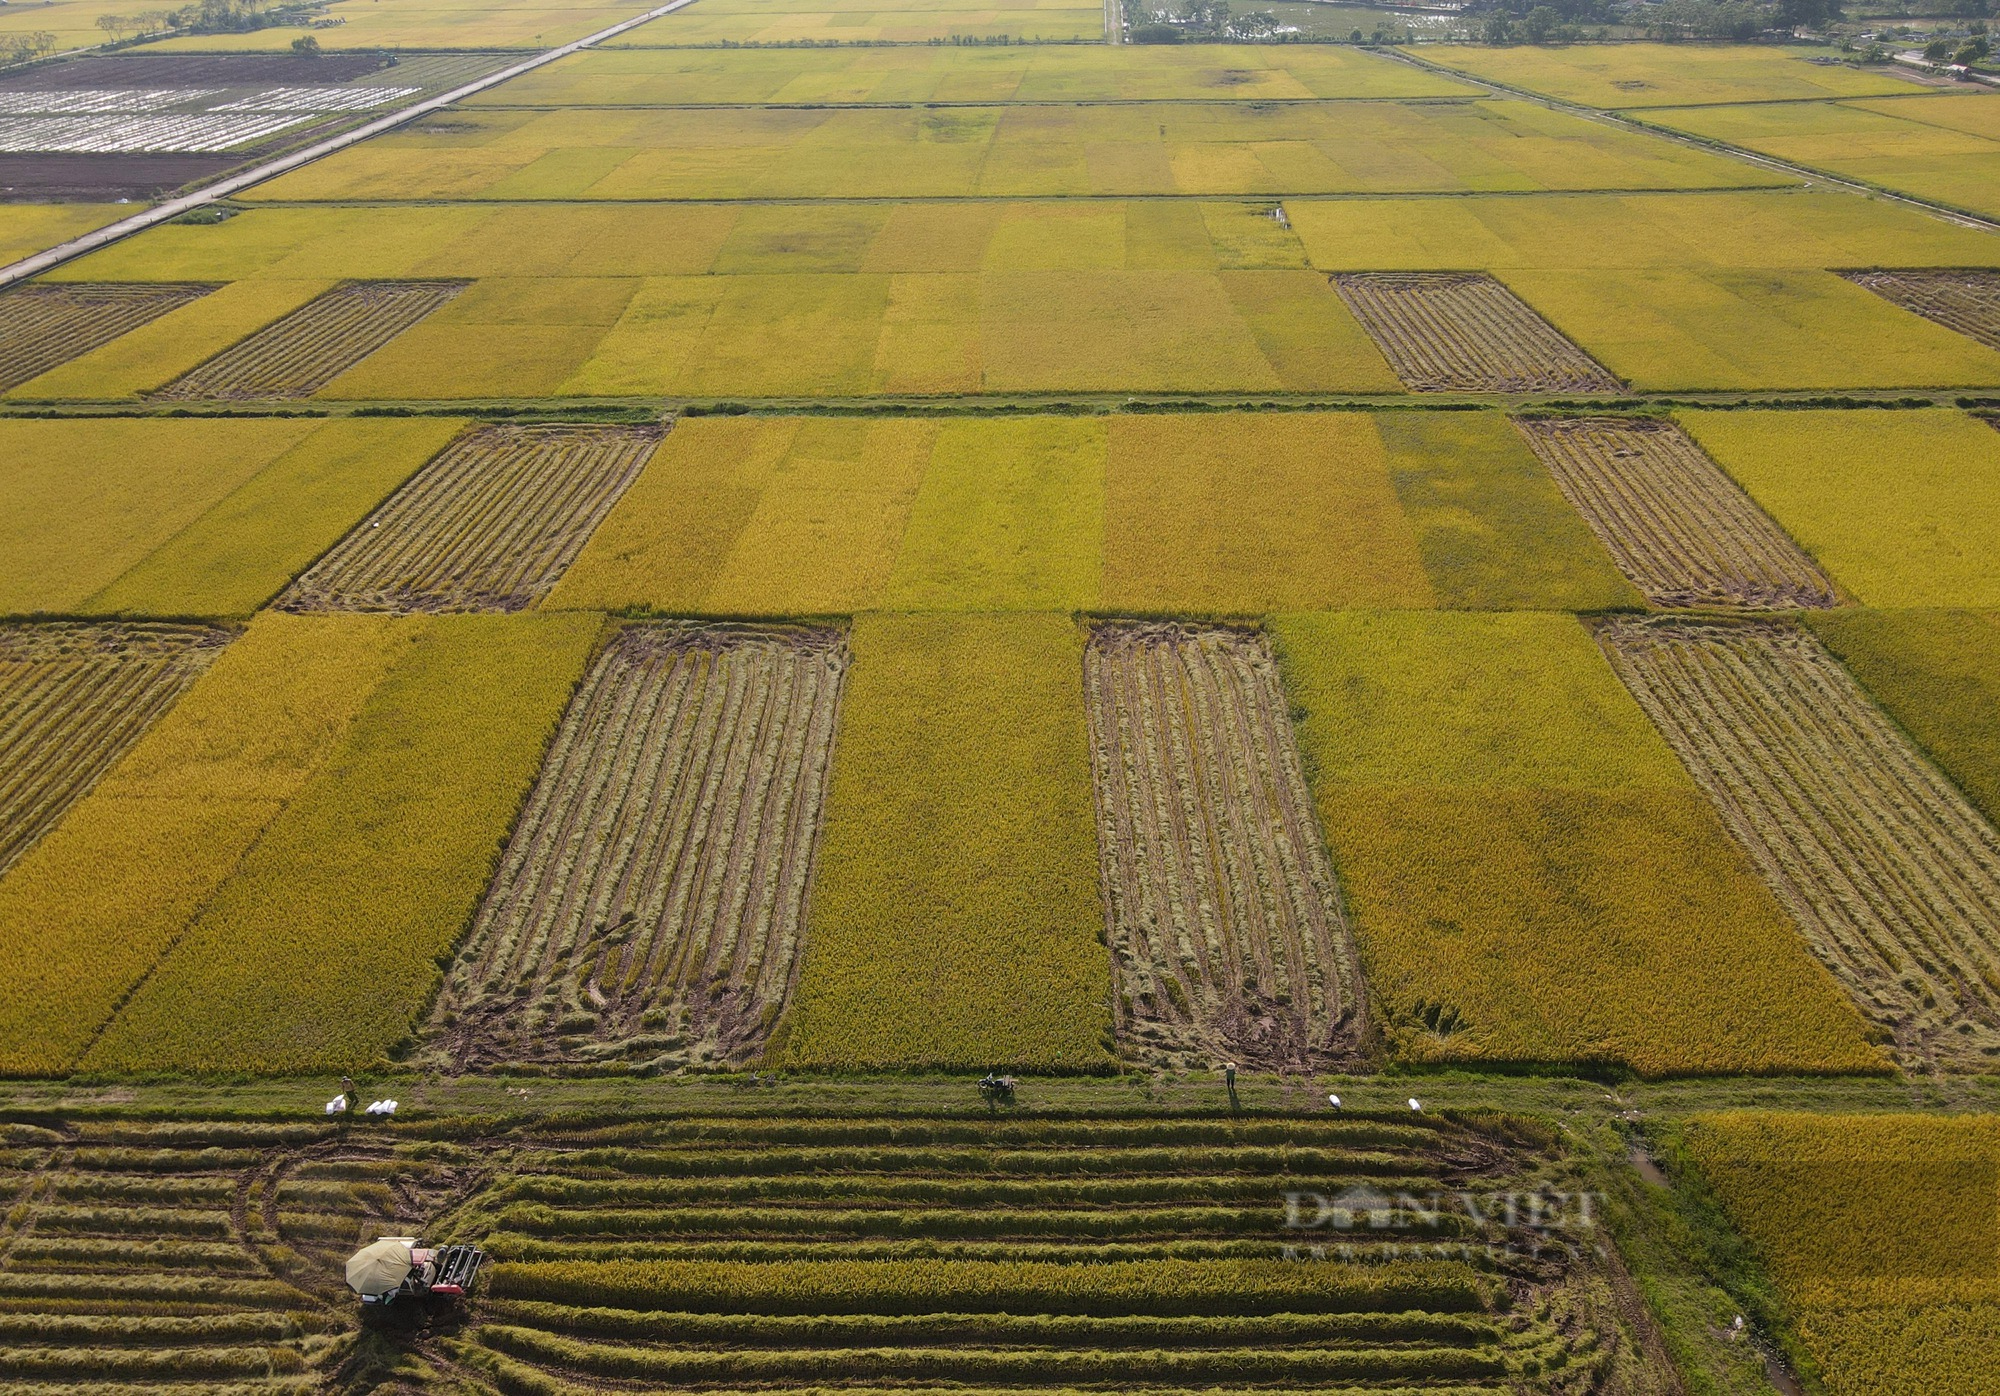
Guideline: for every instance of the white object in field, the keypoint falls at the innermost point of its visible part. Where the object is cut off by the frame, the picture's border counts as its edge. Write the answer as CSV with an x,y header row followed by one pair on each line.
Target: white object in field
x,y
337,1106
381,1107
377,1269
1333,1100
1414,1105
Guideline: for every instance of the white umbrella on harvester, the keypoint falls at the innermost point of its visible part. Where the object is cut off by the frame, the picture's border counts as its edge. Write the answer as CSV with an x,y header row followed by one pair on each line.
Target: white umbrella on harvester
x,y
378,1269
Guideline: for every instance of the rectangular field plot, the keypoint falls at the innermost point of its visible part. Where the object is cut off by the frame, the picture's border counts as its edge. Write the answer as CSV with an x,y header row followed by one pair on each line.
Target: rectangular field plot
x,y
1224,919
309,348
42,326
73,698
1679,528
1465,332
1966,300
489,525
1893,877
651,904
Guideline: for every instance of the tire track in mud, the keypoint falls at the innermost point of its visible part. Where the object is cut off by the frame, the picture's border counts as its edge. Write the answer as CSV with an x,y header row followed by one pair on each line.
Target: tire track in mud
x,y
650,906
1221,908
1960,299
1679,528
490,524
1893,877
1465,332
43,327
302,352
74,697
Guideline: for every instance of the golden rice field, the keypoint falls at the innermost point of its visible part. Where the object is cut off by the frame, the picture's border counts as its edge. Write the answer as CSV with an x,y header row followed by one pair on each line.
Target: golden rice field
x,y
1393,635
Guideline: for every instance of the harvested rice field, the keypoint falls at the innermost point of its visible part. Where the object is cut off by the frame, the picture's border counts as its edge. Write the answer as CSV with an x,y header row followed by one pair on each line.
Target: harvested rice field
x,y
923,700
1890,874
309,348
42,326
1681,530
1965,300
489,525
1450,332
73,699
1224,918
650,908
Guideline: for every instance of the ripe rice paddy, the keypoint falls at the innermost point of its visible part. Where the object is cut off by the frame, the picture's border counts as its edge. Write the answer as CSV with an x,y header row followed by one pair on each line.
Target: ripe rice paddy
x,y
1652,75
73,699
1889,872
309,348
42,326
1683,532
1223,916
489,525
651,905
1466,333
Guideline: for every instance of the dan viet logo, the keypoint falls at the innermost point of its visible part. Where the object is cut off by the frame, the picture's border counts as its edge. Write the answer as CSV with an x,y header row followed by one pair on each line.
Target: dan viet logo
x,y
1364,1223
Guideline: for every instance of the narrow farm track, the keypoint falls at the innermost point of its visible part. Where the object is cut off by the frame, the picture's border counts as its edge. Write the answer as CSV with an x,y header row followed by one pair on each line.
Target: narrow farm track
x,y
1465,332
1680,529
1893,877
42,327
489,525
73,699
307,349
1962,299
651,904
1220,902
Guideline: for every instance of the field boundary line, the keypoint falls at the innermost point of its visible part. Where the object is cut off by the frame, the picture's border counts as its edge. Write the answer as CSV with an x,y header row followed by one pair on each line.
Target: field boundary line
x,y
1810,173
173,208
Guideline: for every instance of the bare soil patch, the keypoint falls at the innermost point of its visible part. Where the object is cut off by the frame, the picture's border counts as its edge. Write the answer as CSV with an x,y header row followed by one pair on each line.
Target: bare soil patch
x,y
102,178
1673,521
194,70
1465,332
1223,916
44,326
1893,877
650,907
489,524
298,355
1957,298
73,699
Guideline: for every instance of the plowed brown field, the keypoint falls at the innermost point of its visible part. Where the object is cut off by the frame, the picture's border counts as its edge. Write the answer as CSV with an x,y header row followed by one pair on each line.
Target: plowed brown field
x,y
1465,332
44,326
1224,919
307,349
1891,874
1677,526
73,697
489,525
1959,299
650,905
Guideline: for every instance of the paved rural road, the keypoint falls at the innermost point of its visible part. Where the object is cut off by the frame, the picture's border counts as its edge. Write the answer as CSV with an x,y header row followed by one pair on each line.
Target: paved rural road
x,y
222,189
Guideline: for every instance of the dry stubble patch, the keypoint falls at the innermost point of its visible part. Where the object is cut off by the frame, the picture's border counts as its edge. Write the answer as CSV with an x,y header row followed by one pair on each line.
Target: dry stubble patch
x,y
651,903
1962,299
301,353
1678,527
1465,332
73,698
1220,902
490,524
44,326
1891,874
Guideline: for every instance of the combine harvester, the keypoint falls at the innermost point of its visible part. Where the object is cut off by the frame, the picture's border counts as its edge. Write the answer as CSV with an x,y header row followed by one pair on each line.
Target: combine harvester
x,y
399,1268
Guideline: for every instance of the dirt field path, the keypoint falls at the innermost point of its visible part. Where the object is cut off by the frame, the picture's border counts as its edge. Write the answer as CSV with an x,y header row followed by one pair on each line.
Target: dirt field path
x,y
73,698
489,525
1220,901
651,904
1676,525
1465,332
1890,873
